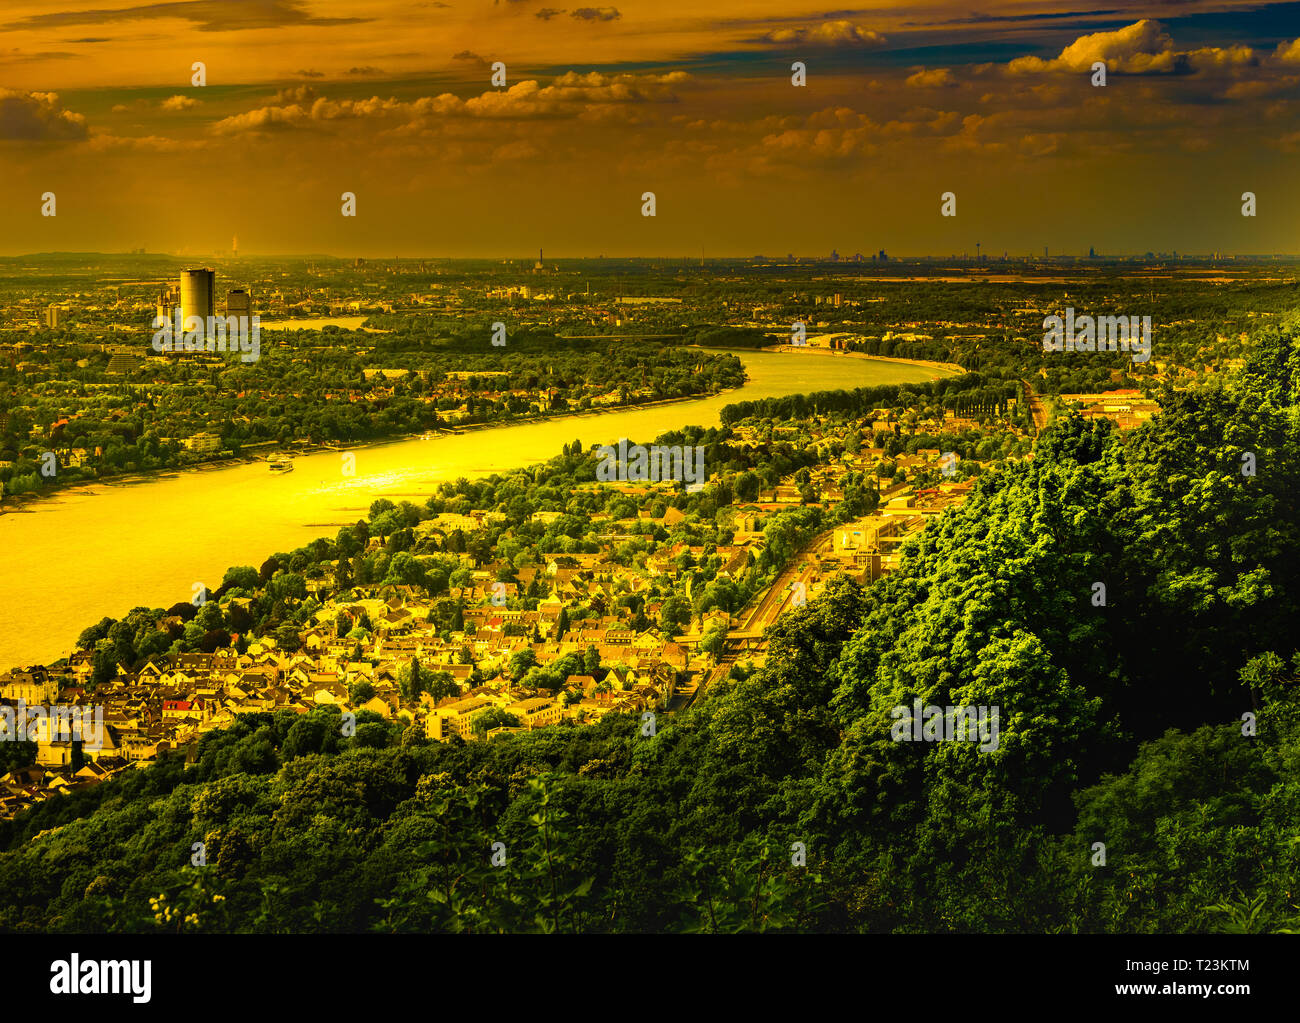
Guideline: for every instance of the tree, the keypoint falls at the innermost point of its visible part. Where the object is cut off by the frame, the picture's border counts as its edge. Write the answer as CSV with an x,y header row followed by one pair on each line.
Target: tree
x,y
674,615
410,681
287,638
440,685
714,641
493,717
521,662
241,577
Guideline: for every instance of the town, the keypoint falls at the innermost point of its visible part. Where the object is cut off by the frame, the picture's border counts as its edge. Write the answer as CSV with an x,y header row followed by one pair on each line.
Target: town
x,y
656,596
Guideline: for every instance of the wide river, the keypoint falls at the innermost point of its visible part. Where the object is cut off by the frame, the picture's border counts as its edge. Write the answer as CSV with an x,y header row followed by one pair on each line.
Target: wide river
x,y
102,549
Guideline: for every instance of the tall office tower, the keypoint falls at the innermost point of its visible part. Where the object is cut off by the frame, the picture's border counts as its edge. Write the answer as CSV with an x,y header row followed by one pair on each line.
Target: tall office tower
x,y
239,303
234,247
198,294
52,317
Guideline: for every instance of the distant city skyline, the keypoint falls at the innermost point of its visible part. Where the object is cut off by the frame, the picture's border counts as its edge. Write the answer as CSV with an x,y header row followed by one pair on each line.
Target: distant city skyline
x,y
394,102
526,263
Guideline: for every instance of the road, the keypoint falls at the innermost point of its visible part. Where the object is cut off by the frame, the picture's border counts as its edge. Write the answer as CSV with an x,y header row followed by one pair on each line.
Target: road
x,y
1036,408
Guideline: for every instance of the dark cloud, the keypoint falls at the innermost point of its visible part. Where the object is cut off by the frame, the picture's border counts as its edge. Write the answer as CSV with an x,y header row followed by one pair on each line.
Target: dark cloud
x,y
596,14
472,57
367,70
547,13
207,15
37,117
19,57
310,74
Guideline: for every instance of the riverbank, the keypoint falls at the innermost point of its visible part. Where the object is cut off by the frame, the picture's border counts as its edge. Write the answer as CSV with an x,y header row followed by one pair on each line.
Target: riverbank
x,y
948,367
16,503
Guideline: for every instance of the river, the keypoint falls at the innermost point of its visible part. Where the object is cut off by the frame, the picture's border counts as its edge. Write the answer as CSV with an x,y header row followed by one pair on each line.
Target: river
x,y
104,548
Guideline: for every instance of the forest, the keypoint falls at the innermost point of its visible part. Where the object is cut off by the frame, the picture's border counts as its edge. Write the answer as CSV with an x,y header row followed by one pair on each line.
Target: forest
x,y
1146,779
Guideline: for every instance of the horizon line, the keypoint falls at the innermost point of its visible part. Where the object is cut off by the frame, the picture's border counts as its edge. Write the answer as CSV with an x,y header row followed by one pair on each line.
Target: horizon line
x,y
866,258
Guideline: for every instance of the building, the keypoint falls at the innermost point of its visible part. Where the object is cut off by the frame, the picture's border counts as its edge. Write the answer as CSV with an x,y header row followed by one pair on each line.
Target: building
x,y
202,443
52,317
169,300
456,718
239,303
198,294
121,363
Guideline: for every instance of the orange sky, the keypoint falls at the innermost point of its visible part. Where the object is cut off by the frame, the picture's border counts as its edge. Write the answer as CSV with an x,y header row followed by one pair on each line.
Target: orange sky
x,y
392,100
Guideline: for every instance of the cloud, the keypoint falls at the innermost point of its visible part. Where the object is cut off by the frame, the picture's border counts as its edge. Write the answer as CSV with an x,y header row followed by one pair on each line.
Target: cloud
x,y
207,15
180,103
1288,53
38,117
1142,47
572,95
310,74
472,57
828,33
547,13
596,14
367,70
17,56
264,119
298,94
833,134
934,78
104,143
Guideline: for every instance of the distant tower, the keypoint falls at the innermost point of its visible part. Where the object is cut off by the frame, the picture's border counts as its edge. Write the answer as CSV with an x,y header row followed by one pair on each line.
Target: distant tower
x,y
239,303
198,294
540,265
168,301
234,246
52,315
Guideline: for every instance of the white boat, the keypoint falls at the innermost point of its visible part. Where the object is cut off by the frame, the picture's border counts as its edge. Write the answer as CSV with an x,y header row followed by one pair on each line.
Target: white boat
x,y
281,465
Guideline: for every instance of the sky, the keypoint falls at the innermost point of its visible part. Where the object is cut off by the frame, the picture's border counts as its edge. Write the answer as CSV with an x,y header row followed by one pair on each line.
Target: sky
x,y
393,101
